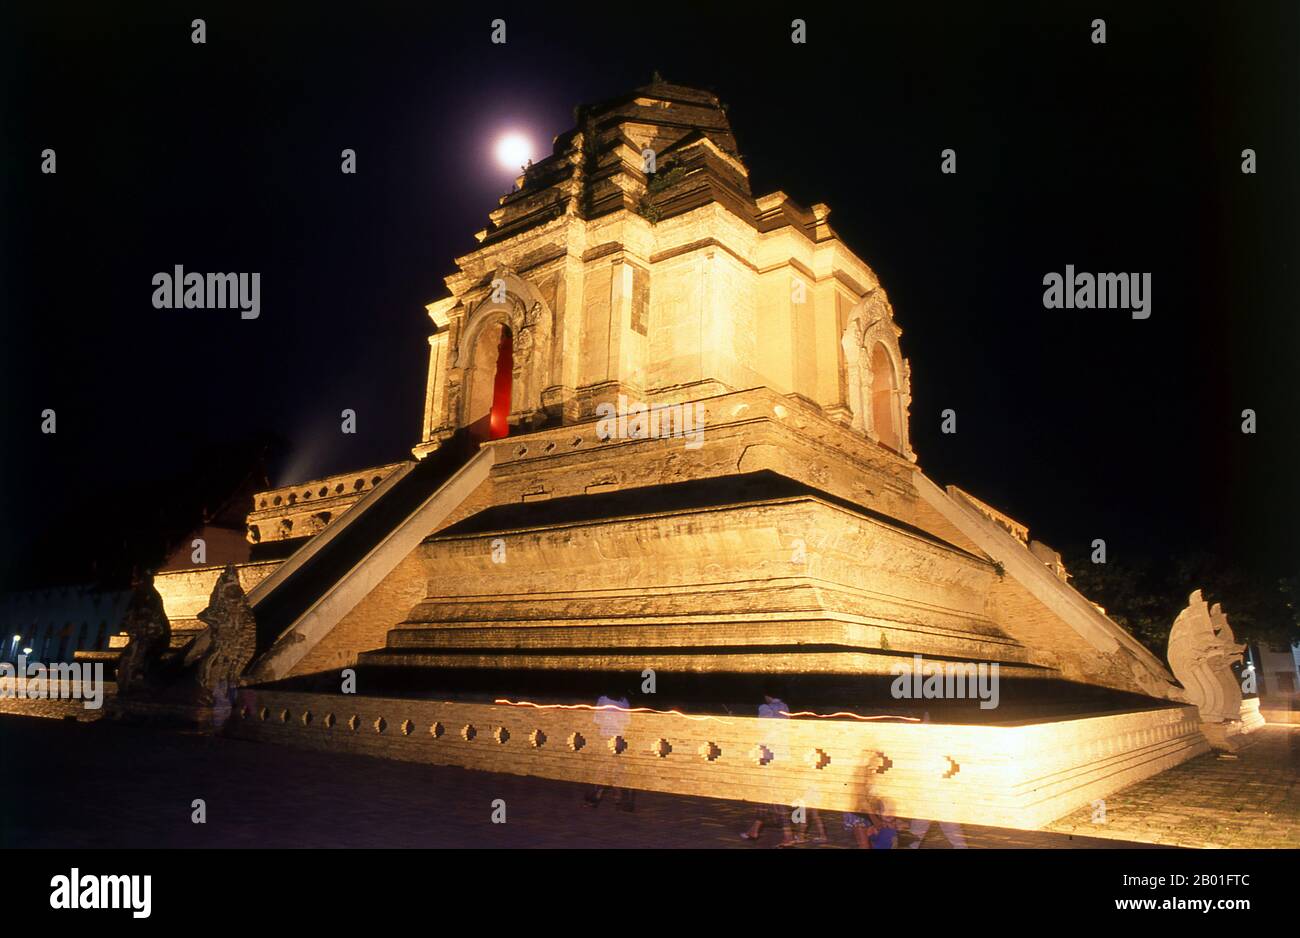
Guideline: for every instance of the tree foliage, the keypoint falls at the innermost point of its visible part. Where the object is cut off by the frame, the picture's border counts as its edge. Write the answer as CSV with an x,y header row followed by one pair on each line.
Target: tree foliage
x,y
1145,596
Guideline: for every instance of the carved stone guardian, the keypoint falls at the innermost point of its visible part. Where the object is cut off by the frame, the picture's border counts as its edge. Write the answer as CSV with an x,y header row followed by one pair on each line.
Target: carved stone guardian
x,y
216,661
140,668
1202,651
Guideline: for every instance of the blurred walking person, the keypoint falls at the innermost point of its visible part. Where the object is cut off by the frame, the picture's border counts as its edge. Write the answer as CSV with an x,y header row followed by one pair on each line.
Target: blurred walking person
x,y
611,718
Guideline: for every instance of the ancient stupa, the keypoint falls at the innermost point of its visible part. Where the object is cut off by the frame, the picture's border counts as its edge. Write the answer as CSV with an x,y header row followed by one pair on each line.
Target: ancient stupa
x,y
665,452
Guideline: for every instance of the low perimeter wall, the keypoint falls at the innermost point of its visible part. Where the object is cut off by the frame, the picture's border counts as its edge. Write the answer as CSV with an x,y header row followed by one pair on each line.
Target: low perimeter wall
x,y
1009,776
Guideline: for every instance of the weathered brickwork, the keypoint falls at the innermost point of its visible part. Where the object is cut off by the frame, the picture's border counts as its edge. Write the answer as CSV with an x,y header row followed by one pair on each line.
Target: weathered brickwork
x,y
367,625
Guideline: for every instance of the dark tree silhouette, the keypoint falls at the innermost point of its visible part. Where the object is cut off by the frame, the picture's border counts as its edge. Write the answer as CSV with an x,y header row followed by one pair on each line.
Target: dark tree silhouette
x,y
1145,595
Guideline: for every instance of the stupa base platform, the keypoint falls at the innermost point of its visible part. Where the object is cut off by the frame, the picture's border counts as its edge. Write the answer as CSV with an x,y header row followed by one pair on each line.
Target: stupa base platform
x,y
1020,775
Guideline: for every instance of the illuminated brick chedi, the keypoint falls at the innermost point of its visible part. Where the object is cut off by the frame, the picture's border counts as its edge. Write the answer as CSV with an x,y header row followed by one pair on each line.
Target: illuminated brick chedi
x,y
792,532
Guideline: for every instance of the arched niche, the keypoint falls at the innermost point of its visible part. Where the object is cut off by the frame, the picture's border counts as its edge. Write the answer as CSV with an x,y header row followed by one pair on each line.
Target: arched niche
x,y
878,380
489,381
884,399
513,312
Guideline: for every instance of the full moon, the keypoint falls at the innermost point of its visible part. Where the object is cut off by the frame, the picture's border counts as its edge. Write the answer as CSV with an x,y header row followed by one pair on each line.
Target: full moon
x,y
513,150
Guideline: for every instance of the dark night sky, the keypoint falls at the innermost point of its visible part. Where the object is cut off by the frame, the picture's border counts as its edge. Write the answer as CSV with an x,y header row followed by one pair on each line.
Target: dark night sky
x,y
225,157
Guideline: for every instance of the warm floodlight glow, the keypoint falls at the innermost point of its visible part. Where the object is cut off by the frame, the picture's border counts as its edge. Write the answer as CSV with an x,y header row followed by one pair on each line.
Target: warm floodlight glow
x,y
513,150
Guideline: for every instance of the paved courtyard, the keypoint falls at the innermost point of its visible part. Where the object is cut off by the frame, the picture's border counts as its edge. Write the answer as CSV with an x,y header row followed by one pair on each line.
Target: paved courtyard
x,y
1211,801
102,785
